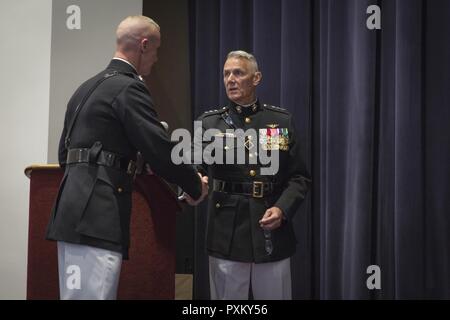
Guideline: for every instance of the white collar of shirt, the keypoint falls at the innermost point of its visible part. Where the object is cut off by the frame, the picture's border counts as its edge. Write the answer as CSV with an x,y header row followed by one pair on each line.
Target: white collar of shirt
x,y
115,58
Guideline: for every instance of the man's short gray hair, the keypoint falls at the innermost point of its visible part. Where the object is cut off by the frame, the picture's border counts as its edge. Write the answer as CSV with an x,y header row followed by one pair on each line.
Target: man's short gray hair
x,y
240,54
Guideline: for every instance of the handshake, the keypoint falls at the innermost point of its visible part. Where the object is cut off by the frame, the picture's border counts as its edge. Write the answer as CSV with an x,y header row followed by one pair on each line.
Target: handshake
x,y
192,202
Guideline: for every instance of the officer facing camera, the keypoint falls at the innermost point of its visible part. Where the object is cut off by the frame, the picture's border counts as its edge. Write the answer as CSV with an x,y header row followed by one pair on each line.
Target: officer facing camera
x,y
249,235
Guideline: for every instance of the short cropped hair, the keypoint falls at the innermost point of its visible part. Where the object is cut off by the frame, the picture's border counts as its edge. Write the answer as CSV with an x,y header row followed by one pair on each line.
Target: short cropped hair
x,y
132,29
240,54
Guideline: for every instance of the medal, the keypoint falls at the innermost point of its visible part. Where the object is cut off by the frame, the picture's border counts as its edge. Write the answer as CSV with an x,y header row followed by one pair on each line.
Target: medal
x,y
274,138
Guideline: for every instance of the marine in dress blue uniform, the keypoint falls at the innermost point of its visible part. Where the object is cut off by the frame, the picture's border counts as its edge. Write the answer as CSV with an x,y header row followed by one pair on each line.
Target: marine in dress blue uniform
x,y
249,231
108,119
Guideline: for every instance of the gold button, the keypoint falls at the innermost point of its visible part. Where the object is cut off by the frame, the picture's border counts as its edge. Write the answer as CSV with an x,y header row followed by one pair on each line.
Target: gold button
x,y
217,205
119,190
248,120
252,173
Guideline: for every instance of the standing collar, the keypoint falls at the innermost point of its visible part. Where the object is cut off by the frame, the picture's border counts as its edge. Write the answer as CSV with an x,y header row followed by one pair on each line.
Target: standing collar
x,y
245,110
122,65
115,58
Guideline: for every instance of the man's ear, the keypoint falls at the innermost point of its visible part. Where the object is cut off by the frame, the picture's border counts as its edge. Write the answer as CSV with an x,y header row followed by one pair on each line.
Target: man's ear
x,y
144,44
257,77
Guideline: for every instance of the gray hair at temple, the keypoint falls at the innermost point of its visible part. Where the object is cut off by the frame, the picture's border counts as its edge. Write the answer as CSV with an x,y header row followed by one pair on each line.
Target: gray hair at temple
x,y
240,54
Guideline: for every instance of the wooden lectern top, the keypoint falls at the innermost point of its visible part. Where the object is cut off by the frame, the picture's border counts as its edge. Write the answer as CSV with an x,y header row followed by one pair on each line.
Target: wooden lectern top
x,y
159,182
37,167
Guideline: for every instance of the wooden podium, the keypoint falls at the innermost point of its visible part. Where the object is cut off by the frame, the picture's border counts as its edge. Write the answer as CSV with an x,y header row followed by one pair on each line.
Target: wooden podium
x,y
150,271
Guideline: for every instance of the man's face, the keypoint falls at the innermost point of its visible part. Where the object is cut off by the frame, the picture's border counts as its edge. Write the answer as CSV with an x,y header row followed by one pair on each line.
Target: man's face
x,y
240,80
150,54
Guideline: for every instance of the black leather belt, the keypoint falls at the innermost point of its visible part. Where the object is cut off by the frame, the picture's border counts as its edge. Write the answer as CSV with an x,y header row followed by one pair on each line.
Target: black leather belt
x,y
256,189
104,158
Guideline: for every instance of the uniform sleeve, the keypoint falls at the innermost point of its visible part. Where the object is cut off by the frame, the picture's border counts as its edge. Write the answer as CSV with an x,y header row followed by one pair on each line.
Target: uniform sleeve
x,y
298,179
134,107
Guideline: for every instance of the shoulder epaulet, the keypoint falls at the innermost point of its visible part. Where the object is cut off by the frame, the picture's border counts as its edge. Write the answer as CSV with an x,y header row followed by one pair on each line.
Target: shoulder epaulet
x,y
270,107
213,112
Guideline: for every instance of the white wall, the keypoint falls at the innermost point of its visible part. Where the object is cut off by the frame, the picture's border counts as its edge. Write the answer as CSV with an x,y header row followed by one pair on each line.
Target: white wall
x,y
25,33
41,64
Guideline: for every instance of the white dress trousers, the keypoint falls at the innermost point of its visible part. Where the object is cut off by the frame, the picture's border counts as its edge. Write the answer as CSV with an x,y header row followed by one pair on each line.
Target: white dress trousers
x,y
230,280
87,273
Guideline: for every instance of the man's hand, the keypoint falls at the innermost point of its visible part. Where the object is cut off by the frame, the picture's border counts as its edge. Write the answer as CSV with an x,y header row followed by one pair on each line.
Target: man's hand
x,y
272,219
193,202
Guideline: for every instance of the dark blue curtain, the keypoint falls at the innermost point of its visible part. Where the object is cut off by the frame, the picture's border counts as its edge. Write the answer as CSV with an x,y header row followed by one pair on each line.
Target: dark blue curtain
x,y
373,111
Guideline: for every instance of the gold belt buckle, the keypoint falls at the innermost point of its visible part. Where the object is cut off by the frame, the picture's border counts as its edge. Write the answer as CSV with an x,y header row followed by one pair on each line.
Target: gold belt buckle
x,y
258,189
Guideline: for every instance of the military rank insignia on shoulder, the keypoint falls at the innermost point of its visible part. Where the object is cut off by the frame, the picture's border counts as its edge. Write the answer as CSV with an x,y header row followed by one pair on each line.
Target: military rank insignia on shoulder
x,y
213,112
270,107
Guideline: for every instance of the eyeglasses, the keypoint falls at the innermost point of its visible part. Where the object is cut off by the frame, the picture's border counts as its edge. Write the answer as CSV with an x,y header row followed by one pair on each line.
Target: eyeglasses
x,y
268,242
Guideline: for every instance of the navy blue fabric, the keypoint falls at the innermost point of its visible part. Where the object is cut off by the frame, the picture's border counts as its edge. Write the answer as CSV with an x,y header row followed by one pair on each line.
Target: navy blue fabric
x,y
372,108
